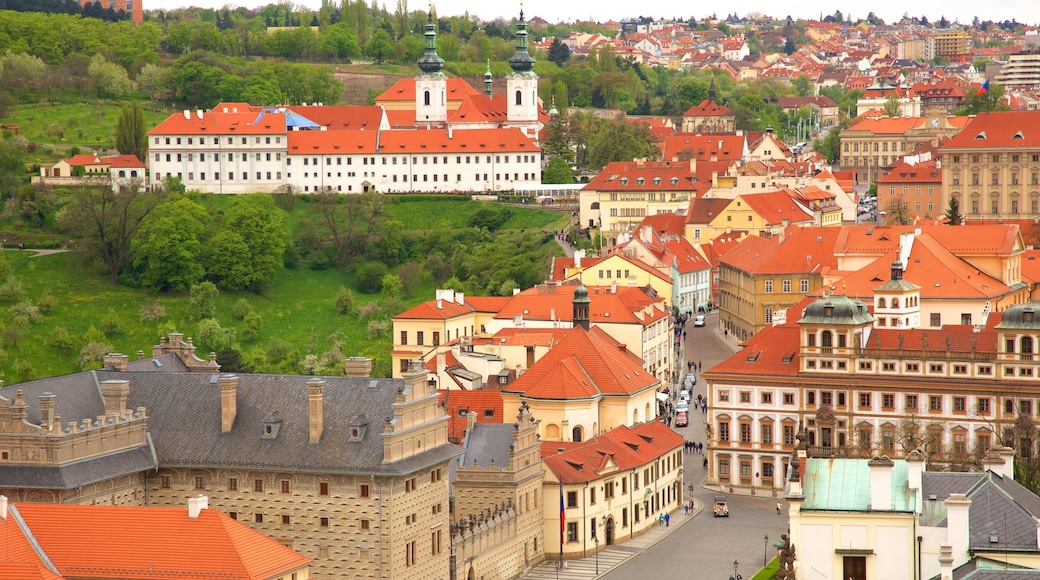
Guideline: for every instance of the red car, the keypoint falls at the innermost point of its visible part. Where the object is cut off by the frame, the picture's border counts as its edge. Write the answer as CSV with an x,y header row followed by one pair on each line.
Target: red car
x,y
682,419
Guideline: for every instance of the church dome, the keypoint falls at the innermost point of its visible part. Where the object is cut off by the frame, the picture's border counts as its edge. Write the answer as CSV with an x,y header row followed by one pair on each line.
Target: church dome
x,y
1021,316
836,310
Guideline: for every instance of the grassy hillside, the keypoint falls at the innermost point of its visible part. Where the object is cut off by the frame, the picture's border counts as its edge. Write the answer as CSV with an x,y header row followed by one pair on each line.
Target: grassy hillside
x,y
297,309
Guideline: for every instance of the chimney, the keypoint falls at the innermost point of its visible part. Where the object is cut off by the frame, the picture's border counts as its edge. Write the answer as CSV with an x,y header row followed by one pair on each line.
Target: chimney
x,y
3,507
228,402
460,298
915,471
358,367
471,420
116,361
47,412
945,562
1001,461
196,505
880,483
957,506
114,394
578,255
613,287
315,396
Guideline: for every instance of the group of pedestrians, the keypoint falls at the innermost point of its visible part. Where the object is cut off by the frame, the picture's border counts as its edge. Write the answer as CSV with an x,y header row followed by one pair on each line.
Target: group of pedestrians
x,y
693,447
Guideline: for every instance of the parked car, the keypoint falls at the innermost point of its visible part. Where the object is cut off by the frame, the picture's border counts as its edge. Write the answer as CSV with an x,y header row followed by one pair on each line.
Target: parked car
x,y
690,381
684,395
699,320
720,508
682,419
682,407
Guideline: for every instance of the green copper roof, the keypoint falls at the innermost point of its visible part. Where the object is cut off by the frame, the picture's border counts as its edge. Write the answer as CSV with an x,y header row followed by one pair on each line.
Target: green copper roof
x,y
521,62
844,485
836,310
431,63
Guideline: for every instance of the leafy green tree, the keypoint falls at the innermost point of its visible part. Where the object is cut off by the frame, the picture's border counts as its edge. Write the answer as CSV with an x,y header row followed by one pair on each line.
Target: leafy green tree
x,y
804,85
108,79
489,216
557,171
211,335
130,131
369,277
391,286
559,52
253,223
339,41
105,221
988,101
169,247
953,214
892,107
619,140
344,300
379,47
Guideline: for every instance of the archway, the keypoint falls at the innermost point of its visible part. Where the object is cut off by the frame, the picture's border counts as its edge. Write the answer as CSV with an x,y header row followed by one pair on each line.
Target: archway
x,y
608,529
471,575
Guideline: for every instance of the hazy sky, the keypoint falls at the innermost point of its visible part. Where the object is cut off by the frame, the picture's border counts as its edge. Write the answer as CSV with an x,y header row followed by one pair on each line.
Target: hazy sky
x,y
1025,11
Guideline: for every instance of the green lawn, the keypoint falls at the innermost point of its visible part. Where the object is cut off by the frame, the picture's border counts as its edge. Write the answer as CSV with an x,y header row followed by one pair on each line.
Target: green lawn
x,y
769,571
88,125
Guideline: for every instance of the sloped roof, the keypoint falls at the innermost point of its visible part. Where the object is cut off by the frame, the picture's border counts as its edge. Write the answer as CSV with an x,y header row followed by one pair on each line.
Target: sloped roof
x,y
621,448
128,161
447,309
775,206
221,123
802,250
707,108
342,117
1018,129
645,176
585,364
623,305
95,541
703,147
841,485
925,172
703,210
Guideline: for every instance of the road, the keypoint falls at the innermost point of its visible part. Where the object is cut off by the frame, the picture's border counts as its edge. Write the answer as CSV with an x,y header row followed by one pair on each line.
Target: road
x,y
707,547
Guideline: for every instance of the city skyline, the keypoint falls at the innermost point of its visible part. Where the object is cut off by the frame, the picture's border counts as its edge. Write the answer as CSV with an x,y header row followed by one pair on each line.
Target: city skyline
x,y
888,10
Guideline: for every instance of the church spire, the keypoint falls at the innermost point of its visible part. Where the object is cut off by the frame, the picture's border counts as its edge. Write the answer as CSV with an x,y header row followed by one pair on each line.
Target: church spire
x,y
711,89
488,84
431,63
522,62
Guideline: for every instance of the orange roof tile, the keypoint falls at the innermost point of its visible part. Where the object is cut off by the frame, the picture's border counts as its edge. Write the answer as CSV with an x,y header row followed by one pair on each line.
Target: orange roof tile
x,y
646,176
342,117
458,403
707,108
776,206
212,123
625,447
925,172
446,309
114,542
623,305
585,364
801,250
704,147
998,130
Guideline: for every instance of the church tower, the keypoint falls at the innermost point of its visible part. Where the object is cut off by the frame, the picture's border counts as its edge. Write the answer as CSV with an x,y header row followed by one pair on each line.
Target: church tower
x,y
522,85
489,84
580,304
431,87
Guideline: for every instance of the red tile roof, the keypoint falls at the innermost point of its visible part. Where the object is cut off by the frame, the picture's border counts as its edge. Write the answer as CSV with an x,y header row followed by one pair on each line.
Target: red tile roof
x,y
342,117
776,206
406,141
128,161
585,364
707,108
114,542
212,123
646,176
485,403
704,147
801,250
621,448
1017,129
446,309
625,305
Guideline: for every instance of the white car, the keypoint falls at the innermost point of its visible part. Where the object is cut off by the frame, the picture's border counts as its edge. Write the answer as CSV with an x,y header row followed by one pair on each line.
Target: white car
x,y
699,320
682,407
684,395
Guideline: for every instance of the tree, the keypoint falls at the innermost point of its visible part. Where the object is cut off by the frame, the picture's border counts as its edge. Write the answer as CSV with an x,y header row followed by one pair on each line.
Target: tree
x,y
130,131
619,140
804,85
105,221
169,248
559,52
892,107
557,171
202,300
253,224
953,213
379,47
108,79
987,101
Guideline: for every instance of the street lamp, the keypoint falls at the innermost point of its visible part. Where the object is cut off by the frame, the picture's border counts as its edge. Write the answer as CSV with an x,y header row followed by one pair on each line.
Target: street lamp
x,y
765,546
735,575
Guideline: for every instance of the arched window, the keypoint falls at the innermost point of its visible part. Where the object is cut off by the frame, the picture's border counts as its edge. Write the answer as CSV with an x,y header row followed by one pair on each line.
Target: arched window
x,y
576,434
895,303
881,303
635,416
426,98
826,340
519,98
1027,347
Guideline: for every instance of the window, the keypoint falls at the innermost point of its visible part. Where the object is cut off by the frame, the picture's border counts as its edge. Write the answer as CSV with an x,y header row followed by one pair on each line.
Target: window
x,y
864,400
200,482
911,403
435,542
285,485
572,531
404,337
935,319
419,338
787,285
572,499
364,491
258,518
745,396
436,474
983,406
745,433
767,433
888,401
409,554
935,403
723,431
409,485
592,495
723,466
788,435
804,285
958,404
164,482
1025,407
286,520
767,398
769,286
258,485
323,488
232,484
788,398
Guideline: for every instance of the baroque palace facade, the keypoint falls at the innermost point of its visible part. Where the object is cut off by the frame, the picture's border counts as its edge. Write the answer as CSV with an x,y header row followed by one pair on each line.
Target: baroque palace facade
x,y
850,388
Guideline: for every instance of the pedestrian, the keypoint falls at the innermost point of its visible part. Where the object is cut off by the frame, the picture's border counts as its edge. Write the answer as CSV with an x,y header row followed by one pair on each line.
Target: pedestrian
x,y
705,463
667,520
686,508
684,335
700,365
777,508
660,519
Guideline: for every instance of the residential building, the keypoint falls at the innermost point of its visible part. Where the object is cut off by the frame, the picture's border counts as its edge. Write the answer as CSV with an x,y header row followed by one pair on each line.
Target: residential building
x,y
946,94
133,8
948,44
666,250
762,277
910,192
55,541
116,170
1021,71
876,97
992,167
611,488
856,389
312,462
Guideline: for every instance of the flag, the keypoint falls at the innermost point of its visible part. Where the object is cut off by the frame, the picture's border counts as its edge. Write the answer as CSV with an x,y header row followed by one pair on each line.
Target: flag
x,y
983,89
563,516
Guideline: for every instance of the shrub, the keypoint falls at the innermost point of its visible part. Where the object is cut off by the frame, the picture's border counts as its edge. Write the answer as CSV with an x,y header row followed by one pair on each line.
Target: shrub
x,y
278,351
27,310
230,360
212,335
490,217
369,277
152,312
46,303
393,306
241,308
94,335
202,300
392,286
93,354
251,326
344,300
61,339
377,328
11,290
111,324
319,260
24,371
368,310
12,335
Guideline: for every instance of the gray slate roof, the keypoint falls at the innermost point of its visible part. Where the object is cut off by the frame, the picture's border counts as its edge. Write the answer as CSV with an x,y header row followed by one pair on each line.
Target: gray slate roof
x,y
487,443
999,507
184,418
74,475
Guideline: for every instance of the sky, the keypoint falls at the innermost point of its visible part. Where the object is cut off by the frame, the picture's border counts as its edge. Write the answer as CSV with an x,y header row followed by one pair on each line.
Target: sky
x,y
1025,11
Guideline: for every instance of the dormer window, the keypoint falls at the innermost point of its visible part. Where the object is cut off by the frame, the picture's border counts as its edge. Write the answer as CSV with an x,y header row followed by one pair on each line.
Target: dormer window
x,y
640,181
657,181
624,181
1027,316
272,423
674,181
828,311
357,428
